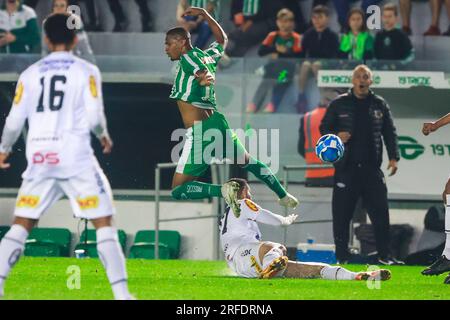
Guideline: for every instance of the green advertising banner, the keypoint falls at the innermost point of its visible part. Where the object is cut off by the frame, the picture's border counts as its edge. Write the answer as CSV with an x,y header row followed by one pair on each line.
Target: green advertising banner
x,y
424,166
386,79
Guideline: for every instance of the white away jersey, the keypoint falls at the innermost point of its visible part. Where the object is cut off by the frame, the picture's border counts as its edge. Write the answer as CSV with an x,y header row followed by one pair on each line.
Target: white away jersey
x,y
61,97
235,232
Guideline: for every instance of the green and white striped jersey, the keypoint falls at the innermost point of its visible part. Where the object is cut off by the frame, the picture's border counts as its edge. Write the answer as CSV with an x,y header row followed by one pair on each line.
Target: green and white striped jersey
x,y
251,7
186,87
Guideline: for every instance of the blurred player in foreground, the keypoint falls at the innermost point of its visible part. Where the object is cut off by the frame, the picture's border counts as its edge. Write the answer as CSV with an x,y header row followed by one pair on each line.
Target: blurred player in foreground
x,y
442,264
250,257
194,91
61,97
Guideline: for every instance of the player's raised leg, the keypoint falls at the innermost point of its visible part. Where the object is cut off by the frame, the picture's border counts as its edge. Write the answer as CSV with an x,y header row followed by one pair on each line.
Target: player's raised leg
x,y
442,264
187,187
12,246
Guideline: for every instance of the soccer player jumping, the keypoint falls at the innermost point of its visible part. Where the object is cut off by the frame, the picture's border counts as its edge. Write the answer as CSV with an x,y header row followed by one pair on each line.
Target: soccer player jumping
x,y
251,257
442,264
193,89
61,97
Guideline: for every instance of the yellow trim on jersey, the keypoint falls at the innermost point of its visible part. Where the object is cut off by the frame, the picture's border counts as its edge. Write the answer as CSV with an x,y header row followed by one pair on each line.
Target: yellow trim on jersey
x,y
251,205
19,93
93,86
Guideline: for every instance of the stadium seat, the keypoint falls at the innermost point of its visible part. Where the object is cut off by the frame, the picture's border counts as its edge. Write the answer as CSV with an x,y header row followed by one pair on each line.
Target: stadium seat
x,y
144,244
90,244
3,231
48,242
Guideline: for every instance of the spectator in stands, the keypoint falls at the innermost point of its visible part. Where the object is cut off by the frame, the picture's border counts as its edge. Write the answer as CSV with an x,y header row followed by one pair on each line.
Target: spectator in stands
x,y
197,24
281,44
392,43
357,43
253,20
294,5
21,34
309,134
435,6
121,22
319,42
342,8
83,48
93,24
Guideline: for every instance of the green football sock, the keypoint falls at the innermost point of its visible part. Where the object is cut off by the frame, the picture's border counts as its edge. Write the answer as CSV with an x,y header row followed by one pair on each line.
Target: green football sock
x,y
263,173
196,190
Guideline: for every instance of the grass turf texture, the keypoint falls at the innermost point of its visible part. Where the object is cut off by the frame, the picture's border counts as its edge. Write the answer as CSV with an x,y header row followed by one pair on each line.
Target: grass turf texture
x,y
46,278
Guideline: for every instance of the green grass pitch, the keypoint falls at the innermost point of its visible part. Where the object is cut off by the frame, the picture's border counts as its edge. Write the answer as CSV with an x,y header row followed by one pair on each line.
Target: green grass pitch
x,y
47,278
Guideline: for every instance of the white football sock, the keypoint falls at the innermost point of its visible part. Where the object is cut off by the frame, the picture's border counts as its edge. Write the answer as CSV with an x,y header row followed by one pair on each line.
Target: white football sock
x,y
113,260
11,249
446,252
337,273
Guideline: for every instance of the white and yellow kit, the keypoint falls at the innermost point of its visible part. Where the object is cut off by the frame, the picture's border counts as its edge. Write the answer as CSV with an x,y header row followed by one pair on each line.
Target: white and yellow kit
x,y
241,239
61,98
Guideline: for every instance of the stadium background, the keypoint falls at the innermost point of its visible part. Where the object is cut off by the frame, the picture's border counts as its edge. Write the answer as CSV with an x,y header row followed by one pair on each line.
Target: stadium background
x,y
137,77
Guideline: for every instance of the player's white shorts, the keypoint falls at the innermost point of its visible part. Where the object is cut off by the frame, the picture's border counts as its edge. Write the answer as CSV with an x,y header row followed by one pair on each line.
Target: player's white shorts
x,y
246,262
89,193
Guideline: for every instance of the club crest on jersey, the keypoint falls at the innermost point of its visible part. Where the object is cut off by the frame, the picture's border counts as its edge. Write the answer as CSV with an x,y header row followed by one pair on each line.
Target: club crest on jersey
x,y
27,202
19,93
251,205
93,86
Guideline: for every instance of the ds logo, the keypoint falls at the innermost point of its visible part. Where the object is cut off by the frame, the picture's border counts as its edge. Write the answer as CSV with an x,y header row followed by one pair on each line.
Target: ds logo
x,y
47,158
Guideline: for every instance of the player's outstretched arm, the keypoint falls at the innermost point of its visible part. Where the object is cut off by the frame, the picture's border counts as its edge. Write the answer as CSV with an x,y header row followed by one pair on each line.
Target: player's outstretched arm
x,y
267,217
216,29
429,127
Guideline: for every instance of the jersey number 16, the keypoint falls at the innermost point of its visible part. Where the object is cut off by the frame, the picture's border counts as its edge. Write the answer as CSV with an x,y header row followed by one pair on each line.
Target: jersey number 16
x,y
54,103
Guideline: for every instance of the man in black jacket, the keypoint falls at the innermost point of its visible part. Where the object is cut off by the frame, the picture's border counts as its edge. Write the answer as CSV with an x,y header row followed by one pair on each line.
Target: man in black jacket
x,y
362,120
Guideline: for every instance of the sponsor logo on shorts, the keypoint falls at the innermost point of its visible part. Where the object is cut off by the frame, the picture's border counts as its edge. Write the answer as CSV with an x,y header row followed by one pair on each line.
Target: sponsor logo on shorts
x,y
88,202
251,205
27,202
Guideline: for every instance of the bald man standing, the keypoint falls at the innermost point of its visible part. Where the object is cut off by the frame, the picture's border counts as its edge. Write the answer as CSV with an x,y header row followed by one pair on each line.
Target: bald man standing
x,y
362,120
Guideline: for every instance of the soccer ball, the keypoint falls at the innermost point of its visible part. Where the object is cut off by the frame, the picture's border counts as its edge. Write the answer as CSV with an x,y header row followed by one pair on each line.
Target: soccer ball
x,y
329,148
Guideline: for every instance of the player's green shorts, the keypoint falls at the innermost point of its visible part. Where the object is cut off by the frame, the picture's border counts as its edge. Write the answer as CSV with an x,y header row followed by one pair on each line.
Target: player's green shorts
x,y
207,141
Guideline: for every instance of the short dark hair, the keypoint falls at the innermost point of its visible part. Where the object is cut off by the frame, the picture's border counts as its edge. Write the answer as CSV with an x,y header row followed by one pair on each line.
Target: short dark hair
x,y
360,12
57,31
285,13
242,184
321,9
391,7
179,32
